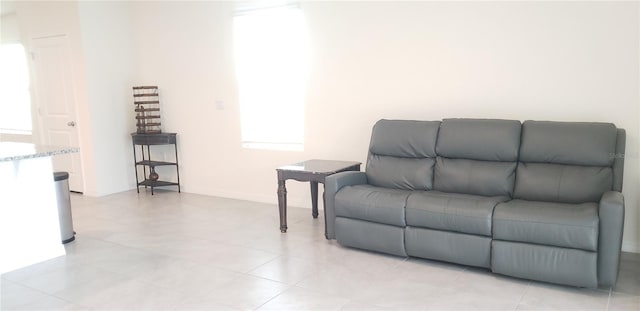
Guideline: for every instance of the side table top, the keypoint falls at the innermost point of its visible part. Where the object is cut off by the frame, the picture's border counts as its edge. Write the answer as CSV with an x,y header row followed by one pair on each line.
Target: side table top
x,y
316,166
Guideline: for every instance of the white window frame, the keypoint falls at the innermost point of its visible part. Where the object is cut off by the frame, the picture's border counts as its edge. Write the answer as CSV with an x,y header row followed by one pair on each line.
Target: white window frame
x,y
272,59
15,97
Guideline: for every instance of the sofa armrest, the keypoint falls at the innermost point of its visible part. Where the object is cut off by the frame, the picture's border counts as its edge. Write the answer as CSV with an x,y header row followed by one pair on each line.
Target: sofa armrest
x,y
611,214
332,184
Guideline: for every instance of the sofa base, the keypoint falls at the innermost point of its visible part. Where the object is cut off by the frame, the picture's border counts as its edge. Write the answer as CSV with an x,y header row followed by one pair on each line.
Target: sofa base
x,y
370,236
545,263
465,249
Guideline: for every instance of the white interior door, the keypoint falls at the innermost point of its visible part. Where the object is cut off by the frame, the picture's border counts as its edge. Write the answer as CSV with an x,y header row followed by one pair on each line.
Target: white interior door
x,y
55,103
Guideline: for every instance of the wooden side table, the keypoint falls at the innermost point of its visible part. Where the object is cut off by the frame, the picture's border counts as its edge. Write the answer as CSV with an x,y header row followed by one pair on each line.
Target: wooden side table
x,y
313,171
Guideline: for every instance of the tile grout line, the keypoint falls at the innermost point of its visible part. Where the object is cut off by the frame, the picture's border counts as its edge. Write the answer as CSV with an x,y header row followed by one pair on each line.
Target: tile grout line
x,y
274,297
41,292
609,298
524,292
265,278
261,265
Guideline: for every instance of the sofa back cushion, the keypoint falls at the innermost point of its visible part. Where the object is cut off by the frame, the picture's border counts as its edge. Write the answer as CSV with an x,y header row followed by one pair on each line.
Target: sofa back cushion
x,y
479,139
571,143
562,183
568,162
477,156
402,154
474,177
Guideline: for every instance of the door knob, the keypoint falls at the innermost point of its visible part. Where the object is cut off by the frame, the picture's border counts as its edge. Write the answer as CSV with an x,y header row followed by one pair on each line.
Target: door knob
x,y
71,123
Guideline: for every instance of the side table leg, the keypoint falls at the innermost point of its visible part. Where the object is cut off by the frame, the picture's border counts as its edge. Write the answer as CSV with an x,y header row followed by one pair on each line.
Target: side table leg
x,y
324,209
282,205
314,199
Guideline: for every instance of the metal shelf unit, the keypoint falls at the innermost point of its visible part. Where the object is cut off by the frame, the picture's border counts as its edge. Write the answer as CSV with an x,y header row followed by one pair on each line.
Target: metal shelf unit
x,y
150,178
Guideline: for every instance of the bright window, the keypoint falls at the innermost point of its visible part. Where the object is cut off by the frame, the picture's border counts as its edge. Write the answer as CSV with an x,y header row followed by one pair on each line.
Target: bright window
x,y
15,102
272,55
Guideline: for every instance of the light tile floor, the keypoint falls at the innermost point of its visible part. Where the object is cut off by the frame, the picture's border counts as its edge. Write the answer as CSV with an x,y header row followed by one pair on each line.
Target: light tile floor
x,y
176,251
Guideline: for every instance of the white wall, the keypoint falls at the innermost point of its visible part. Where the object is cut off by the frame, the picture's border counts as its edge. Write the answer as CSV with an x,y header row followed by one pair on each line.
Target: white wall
x,y
108,46
411,60
9,30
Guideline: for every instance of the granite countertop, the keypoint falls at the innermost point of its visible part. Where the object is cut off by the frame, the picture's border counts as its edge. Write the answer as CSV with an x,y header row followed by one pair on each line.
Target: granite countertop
x,y
11,151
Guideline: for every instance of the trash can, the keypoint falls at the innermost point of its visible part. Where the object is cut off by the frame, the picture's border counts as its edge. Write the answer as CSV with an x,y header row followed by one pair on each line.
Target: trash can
x,y
64,206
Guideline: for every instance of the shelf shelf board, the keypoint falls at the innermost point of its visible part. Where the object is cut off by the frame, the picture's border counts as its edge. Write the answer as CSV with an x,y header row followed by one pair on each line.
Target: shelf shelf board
x,y
146,109
147,117
155,163
156,183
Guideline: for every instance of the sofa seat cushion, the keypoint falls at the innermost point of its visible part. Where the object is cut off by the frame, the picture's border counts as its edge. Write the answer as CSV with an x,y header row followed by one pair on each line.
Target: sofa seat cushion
x,y
463,213
366,202
554,224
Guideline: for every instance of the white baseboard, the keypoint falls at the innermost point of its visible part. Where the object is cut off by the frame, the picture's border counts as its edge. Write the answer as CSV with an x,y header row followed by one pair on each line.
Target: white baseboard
x,y
630,247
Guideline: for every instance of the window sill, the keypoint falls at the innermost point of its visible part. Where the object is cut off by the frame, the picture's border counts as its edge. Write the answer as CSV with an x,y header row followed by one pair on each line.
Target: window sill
x,y
273,146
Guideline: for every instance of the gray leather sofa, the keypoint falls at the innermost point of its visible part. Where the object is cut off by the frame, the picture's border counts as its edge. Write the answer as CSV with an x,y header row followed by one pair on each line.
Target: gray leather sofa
x,y
536,200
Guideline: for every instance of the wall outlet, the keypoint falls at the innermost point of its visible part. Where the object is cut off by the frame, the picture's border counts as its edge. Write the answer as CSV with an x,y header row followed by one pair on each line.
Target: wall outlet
x,y
219,104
